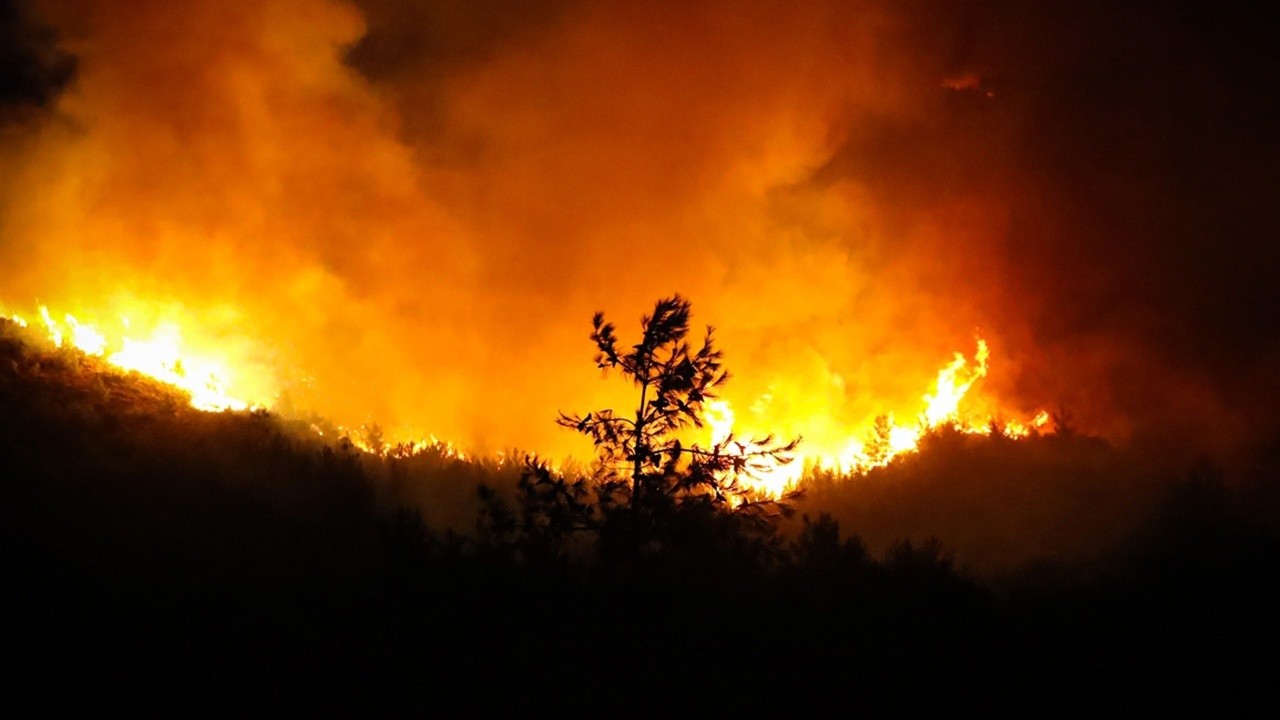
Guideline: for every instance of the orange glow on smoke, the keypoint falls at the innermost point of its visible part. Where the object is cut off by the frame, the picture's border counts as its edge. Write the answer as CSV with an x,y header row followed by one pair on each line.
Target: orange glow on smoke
x,y
423,249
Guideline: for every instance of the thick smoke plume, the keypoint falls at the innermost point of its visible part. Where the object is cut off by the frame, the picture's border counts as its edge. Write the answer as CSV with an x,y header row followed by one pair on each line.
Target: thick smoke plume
x,y
408,211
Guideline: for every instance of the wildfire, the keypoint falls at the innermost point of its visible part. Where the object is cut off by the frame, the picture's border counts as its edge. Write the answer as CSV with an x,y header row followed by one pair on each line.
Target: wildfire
x,y
369,439
159,354
888,439
210,379
214,385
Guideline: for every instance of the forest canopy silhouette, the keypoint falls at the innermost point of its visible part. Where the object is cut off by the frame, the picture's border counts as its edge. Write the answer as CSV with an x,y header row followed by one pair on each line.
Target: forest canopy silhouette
x,y
301,570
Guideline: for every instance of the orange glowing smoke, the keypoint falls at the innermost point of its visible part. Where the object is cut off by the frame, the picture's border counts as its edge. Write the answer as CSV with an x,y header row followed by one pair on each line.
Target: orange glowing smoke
x,y
423,241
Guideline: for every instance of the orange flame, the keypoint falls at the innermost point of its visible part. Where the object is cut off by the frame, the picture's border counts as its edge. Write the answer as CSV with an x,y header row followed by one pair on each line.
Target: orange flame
x,y
214,385
159,354
889,439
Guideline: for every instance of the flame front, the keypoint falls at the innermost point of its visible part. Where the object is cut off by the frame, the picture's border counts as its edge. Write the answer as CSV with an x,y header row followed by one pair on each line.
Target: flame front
x,y
159,354
888,439
215,383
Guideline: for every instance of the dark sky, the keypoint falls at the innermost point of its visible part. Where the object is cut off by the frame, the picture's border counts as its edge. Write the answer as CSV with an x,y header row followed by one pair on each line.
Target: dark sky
x,y
1098,182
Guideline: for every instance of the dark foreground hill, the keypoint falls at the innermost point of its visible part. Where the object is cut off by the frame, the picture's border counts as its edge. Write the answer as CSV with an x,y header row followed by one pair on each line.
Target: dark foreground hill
x,y
157,559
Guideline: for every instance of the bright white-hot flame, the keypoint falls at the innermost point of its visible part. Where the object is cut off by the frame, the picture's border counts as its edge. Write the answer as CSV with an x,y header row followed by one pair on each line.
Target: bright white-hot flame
x,y
952,385
85,337
903,439
773,478
55,333
160,356
719,416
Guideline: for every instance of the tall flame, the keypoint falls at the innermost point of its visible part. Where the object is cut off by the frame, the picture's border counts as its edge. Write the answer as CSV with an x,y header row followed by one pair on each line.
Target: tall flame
x,y
952,385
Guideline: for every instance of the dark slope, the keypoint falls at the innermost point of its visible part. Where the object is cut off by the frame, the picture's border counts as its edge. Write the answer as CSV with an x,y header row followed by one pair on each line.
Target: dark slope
x,y
153,550
160,559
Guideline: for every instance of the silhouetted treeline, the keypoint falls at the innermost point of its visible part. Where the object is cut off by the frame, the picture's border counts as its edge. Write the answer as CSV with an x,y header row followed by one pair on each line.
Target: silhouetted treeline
x,y
160,559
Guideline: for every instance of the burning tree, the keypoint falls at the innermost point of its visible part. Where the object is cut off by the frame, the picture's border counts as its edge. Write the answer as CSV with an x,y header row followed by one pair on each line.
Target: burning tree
x,y
652,489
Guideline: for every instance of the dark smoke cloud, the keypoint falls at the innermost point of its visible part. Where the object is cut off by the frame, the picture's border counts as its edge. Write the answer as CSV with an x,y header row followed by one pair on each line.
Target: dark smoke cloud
x,y
416,46
1133,148
33,70
1145,137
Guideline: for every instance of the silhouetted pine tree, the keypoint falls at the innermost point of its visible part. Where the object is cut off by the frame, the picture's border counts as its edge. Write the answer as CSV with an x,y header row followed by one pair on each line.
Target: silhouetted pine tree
x,y
652,491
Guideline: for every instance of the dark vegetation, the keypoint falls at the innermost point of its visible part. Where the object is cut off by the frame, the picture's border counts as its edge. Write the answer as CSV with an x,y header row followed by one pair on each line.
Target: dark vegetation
x,y
158,559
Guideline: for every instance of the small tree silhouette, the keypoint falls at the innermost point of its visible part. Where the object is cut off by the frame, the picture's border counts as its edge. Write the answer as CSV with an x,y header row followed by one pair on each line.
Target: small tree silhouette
x,y
674,383
650,491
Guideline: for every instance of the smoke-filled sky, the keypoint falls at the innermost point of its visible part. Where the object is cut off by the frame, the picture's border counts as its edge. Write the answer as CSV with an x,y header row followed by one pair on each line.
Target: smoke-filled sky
x,y
408,210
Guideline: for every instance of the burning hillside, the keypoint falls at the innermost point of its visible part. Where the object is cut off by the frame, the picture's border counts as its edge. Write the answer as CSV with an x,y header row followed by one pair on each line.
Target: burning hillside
x,y
245,557
216,381
159,353
398,213
943,406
